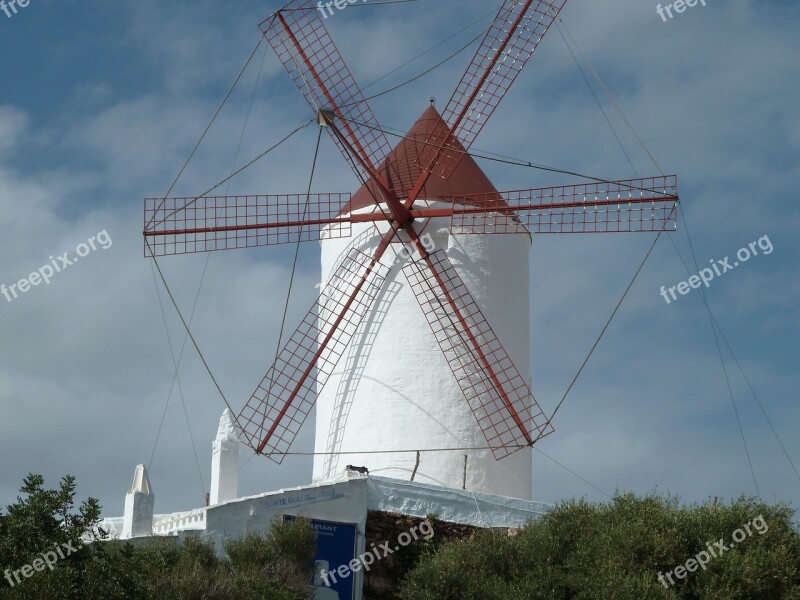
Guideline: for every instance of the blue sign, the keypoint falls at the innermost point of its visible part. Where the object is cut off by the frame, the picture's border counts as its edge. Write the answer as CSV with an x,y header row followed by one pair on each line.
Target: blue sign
x,y
336,548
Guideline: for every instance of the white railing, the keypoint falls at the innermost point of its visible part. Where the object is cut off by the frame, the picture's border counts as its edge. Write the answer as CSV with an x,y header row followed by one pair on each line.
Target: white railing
x,y
195,519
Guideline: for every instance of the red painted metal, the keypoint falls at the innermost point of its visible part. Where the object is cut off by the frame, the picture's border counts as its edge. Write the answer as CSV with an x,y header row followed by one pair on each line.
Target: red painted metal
x,y
448,284
401,169
629,205
511,40
185,225
501,401
397,209
188,225
280,404
299,37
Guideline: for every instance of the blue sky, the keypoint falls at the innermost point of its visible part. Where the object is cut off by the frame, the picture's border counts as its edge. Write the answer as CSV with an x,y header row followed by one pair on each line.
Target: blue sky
x,y
101,102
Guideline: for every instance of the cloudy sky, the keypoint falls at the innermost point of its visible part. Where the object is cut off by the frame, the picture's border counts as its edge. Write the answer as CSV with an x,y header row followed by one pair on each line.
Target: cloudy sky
x,y
101,102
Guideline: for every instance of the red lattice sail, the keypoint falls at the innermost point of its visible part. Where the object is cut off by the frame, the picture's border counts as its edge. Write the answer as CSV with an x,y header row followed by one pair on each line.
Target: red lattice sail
x,y
630,205
189,225
299,37
276,411
510,41
498,396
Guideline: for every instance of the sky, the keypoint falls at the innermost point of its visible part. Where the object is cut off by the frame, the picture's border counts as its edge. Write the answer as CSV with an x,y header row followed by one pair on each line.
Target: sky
x,y
101,103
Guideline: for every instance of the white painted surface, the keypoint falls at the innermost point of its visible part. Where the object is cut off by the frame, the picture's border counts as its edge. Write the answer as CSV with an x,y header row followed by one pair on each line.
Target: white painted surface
x,y
393,389
112,526
137,520
454,506
225,461
344,501
175,523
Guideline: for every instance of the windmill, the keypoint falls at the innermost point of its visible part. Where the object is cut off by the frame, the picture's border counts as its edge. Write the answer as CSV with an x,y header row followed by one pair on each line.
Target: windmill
x,y
386,377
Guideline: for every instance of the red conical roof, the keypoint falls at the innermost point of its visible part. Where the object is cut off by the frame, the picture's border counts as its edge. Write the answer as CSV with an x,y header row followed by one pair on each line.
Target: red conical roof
x,y
401,169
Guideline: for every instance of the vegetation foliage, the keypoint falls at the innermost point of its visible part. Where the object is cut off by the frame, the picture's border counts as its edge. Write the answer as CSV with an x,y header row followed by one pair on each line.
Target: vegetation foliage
x,y
586,551
577,551
277,566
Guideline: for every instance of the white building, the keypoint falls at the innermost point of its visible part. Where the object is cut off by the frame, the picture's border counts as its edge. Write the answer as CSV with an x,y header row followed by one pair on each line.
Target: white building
x,y
344,500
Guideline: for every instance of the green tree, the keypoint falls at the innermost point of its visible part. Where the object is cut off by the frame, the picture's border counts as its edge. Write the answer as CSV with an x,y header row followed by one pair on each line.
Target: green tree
x,y
586,551
277,566
40,521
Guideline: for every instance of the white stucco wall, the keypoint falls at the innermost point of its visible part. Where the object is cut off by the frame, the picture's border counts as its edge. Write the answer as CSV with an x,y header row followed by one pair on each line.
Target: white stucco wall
x,y
454,506
393,389
344,501
225,461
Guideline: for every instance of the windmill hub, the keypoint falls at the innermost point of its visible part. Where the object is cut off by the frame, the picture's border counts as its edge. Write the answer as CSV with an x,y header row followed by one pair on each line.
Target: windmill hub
x,y
325,117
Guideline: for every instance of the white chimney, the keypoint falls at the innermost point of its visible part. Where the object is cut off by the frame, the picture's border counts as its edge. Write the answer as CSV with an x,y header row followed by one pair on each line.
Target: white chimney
x,y
139,501
225,461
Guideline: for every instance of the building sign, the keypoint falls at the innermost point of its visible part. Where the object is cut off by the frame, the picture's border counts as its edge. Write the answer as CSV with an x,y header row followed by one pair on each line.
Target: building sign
x,y
336,547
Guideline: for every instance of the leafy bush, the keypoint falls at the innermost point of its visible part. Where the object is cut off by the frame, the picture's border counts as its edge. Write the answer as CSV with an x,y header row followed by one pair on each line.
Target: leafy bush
x,y
585,551
277,566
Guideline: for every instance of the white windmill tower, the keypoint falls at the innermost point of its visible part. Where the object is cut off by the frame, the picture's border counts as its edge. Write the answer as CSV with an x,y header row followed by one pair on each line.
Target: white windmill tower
x,y
394,389
423,313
